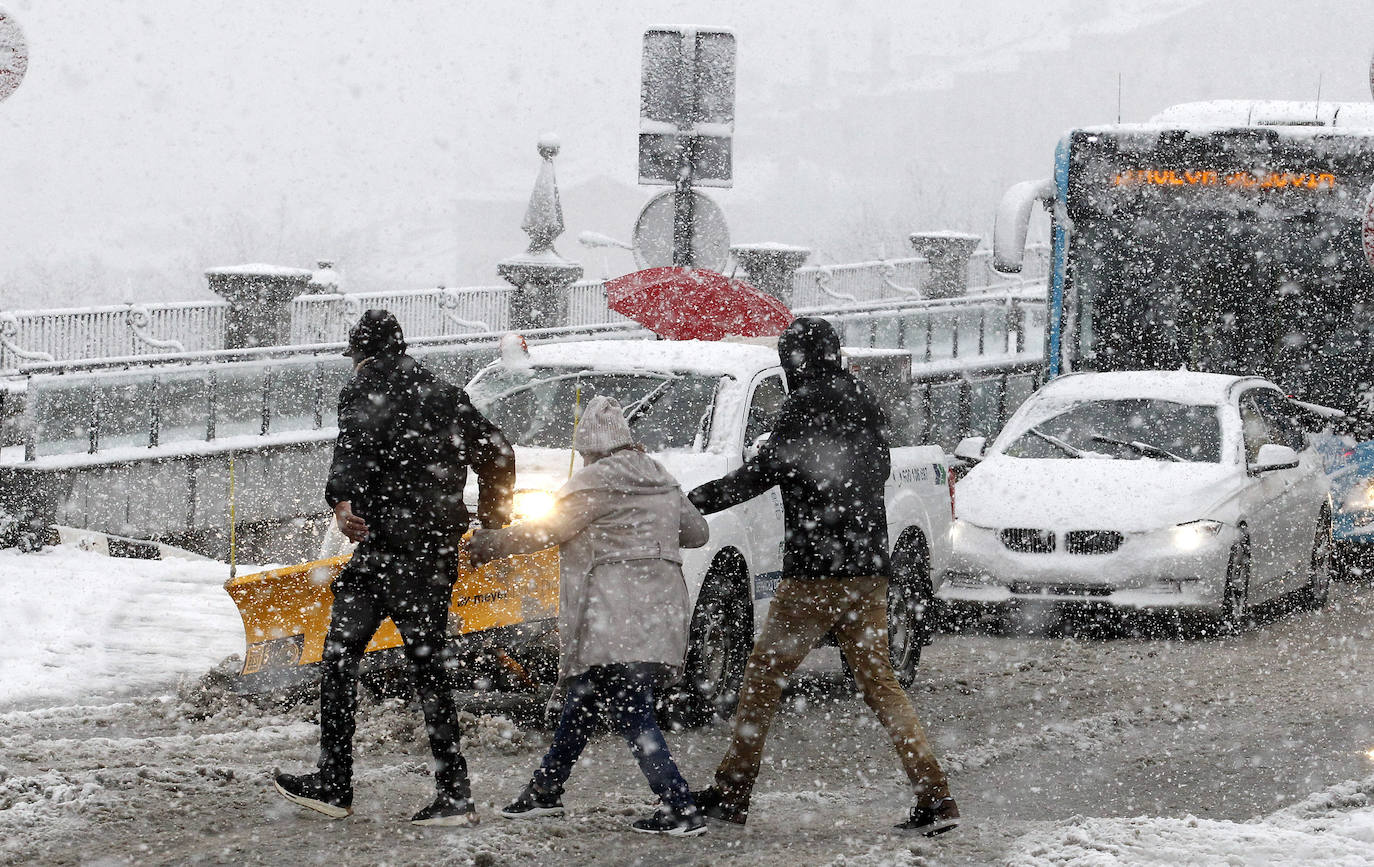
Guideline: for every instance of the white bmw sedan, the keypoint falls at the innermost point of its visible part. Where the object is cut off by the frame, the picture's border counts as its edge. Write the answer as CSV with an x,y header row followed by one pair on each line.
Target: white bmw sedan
x,y
1143,489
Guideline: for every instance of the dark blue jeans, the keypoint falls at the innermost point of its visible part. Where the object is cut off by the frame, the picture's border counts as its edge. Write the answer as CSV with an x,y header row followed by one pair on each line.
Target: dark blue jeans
x,y
624,695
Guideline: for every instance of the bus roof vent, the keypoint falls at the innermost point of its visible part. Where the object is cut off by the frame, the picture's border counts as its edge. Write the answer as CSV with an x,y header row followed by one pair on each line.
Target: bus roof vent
x,y
1248,112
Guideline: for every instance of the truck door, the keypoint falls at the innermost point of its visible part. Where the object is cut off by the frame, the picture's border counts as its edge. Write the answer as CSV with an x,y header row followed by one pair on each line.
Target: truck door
x,y
763,514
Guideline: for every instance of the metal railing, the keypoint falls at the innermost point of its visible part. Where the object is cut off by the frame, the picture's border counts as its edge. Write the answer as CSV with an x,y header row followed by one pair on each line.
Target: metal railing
x,y
993,324
119,408
952,403
117,331
116,407
28,336
1034,270
436,312
827,285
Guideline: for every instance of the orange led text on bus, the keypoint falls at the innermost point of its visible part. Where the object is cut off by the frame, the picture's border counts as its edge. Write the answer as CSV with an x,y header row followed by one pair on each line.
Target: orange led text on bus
x,y
1208,178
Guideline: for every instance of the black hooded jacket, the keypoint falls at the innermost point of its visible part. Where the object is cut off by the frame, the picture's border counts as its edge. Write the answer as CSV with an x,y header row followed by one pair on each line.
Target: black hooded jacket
x,y
406,438
829,456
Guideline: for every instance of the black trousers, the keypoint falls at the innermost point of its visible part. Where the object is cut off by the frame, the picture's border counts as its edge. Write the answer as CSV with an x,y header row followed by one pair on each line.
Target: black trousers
x,y
414,592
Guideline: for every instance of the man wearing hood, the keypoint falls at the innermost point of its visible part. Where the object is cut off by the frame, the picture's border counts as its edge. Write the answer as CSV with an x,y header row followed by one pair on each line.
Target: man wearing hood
x,y
623,612
396,483
829,456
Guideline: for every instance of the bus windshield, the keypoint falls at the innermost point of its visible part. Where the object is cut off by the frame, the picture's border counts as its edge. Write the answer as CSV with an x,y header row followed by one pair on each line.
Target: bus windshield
x,y
1224,253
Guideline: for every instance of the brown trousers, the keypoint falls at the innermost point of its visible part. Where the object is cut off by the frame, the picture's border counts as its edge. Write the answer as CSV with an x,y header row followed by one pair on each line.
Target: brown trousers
x,y
800,615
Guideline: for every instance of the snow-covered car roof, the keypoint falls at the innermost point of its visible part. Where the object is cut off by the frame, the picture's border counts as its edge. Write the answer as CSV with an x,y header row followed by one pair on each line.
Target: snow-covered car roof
x,y
1179,386
713,358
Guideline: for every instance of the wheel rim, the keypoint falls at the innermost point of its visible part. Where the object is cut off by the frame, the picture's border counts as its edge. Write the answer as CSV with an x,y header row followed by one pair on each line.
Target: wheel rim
x,y
715,654
905,611
900,628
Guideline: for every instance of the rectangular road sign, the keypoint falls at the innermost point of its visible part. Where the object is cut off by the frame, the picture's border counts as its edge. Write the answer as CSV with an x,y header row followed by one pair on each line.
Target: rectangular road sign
x,y
660,161
687,106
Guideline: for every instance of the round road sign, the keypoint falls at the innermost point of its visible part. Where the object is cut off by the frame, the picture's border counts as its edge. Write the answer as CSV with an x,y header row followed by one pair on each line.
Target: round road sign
x,y
14,54
653,237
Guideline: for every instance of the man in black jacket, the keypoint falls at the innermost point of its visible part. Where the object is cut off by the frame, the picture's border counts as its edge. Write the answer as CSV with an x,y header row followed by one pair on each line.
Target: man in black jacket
x,y
396,484
828,453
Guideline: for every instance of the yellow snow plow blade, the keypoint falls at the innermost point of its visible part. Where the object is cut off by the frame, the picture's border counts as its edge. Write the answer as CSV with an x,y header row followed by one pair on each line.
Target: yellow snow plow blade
x,y
286,611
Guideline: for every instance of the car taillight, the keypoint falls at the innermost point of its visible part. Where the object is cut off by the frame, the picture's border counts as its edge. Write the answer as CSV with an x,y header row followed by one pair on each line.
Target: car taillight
x,y
950,477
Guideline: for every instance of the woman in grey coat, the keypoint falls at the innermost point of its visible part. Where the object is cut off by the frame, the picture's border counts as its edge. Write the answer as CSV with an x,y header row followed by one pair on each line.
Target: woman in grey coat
x,y
623,611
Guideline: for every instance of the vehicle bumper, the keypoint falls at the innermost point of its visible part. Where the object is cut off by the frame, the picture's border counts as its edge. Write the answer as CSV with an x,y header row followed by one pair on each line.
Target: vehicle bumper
x,y
1147,571
520,642
1356,527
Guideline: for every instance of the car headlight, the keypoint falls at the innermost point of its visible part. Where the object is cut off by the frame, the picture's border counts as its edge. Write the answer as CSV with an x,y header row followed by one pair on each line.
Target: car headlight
x,y
532,505
1195,534
1359,498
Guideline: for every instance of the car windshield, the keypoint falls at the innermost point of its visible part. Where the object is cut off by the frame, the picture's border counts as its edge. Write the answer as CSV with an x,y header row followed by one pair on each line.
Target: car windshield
x,y
1125,429
535,407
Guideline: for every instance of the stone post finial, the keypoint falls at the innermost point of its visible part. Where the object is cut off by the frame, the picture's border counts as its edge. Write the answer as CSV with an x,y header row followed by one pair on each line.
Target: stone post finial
x,y
541,277
544,215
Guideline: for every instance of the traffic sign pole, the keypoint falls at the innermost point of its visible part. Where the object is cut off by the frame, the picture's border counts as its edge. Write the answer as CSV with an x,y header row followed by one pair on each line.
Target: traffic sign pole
x,y
687,112
684,207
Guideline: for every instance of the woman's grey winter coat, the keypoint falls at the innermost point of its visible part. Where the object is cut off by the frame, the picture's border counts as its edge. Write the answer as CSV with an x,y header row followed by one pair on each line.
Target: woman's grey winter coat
x,y
619,523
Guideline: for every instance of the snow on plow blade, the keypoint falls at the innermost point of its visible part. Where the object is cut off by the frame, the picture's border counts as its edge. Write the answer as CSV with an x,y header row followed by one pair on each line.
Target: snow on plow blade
x,y
286,613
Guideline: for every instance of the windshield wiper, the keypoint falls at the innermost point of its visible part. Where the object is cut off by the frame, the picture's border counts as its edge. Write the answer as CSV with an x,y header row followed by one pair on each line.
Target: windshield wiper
x,y
1057,443
636,409
1151,451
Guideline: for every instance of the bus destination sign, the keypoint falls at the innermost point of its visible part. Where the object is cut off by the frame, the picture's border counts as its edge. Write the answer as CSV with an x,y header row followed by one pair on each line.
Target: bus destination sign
x,y
1265,180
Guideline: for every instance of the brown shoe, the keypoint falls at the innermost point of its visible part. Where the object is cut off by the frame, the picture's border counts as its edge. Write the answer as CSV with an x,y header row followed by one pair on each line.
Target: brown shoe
x,y
712,803
934,818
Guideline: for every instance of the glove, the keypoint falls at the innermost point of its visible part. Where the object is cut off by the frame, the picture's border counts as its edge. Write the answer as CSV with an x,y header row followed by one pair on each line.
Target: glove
x,y
479,547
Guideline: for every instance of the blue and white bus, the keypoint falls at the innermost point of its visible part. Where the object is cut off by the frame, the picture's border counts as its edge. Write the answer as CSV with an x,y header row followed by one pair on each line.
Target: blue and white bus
x,y
1224,237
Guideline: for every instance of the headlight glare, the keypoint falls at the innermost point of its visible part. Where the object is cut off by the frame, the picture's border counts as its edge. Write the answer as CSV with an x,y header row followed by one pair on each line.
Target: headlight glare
x,y
1195,534
532,505
1359,498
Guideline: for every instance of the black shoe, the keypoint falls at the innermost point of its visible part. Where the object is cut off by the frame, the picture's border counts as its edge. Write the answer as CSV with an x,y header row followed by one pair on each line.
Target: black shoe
x,y
532,804
710,802
932,819
446,811
309,791
688,823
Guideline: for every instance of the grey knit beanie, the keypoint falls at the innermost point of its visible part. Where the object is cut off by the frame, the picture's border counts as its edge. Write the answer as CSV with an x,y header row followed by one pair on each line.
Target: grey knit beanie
x,y
602,428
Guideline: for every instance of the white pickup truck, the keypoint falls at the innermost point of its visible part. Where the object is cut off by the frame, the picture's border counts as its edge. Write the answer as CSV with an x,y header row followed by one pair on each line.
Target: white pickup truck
x,y
700,408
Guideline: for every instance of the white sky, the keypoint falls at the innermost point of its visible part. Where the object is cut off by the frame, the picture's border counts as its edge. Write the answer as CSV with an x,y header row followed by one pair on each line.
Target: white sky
x,y
154,138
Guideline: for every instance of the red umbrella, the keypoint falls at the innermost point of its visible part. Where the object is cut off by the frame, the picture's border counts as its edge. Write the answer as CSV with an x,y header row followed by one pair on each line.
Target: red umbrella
x,y
696,304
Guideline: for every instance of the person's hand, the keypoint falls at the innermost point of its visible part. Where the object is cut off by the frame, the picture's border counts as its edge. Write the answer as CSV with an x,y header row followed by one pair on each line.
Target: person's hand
x,y
478,548
352,526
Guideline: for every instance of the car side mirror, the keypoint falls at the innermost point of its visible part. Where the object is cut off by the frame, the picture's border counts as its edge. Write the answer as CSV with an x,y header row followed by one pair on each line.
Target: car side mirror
x,y
1273,457
751,450
970,449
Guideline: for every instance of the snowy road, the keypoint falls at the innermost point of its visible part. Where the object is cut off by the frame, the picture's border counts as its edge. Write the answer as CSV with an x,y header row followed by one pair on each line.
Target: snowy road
x,y
1253,749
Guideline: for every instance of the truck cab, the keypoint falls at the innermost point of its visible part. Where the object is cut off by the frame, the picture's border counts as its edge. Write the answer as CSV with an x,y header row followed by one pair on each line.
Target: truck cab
x,y
701,409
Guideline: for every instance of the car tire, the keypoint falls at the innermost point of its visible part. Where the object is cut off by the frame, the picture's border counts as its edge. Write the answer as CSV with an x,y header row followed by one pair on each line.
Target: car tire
x,y
911,614
1235,598
721,637
1318,590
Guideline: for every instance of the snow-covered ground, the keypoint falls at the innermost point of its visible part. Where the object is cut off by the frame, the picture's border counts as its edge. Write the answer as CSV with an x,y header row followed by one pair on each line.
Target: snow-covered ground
x,y
1061,750
78,625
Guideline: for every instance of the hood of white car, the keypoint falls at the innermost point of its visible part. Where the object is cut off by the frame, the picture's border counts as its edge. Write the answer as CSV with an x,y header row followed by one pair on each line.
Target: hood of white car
x,y
1088,494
